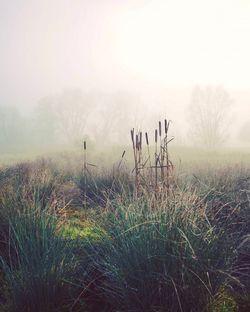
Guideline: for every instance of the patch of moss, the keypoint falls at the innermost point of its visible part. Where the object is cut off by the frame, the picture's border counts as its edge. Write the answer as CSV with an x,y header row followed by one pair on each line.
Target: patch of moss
x,y
78,229
224,302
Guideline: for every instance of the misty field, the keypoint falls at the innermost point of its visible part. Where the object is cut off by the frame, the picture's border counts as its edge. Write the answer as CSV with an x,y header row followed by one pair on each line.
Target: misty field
x,y
144,232
98,216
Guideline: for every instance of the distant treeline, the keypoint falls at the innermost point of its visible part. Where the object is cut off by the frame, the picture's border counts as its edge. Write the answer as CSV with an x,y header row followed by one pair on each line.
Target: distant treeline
x,y
74,115
69,117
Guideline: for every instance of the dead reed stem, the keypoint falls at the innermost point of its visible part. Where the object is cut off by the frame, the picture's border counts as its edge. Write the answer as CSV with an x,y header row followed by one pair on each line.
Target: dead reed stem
x,y
85,173
156,162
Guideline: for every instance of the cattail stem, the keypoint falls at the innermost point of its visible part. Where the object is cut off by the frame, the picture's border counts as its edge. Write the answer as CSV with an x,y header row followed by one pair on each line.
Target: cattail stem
x,y
156,161
135,145
149,159
85,173
167,156
161,156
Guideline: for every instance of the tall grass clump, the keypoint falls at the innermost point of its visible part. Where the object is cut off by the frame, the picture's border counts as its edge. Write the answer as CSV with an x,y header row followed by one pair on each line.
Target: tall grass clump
x,y
25,185
162,256
39,262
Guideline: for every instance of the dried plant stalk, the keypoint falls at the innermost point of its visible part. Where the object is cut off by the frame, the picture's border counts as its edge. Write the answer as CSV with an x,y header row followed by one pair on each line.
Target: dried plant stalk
x,y
85,173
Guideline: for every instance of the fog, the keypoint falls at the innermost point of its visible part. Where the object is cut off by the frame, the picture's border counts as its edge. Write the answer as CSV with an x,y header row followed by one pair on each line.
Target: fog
x,y
78,69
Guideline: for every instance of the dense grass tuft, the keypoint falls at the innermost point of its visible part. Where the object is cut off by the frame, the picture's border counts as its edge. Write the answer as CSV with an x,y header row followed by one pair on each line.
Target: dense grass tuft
x,y
39,262
163,254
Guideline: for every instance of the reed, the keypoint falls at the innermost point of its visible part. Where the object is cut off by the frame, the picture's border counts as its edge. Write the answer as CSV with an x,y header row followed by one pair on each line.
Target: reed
x,y
159,173
85,173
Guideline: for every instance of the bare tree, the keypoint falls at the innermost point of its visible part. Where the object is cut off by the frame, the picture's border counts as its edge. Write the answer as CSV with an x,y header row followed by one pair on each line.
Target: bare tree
x,y
72,109
209,116
117,113
72,115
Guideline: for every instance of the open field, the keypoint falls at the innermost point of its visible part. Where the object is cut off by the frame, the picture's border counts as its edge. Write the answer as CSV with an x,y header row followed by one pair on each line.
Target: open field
x,y
87,231
104,206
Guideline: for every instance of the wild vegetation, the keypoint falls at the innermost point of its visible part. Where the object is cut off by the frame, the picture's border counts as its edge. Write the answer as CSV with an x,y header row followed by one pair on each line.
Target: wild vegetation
x,y
144,234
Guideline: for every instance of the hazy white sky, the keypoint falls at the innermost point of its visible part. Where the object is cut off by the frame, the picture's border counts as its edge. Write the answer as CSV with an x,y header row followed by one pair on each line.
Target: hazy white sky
x,y
185,42
47,45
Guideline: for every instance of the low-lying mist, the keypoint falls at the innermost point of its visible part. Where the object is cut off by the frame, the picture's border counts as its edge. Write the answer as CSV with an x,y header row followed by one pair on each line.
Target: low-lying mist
x,y
206,120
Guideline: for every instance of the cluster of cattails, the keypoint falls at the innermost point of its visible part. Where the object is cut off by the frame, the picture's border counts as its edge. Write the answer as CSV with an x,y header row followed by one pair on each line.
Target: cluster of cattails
x,y
152,172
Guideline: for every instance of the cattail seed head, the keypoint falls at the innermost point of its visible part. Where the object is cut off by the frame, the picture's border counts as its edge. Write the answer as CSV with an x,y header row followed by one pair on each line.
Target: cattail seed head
x,y
132,136
137,142
159,128
146,135
140,141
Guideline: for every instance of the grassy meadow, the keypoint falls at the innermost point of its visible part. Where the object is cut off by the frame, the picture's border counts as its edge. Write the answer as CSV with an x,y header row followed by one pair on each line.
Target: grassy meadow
x,y
147,227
